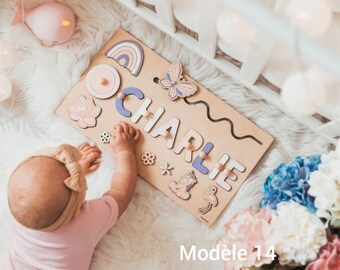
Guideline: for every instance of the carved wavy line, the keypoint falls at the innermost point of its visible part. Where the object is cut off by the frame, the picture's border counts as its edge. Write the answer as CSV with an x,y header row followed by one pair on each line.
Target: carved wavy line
x,y
221,120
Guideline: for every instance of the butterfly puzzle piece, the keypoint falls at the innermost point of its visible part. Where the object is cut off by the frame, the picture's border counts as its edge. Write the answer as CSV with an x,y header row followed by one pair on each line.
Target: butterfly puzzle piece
x,y
175,83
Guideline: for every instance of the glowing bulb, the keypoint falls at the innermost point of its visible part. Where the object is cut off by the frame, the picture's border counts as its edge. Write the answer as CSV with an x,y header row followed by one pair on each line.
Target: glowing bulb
x,y
5,88
66,23
303,94
313,17
233,29
6,55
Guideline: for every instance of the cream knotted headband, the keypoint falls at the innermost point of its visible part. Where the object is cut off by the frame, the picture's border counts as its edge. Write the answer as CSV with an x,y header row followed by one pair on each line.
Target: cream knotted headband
x,y
69,156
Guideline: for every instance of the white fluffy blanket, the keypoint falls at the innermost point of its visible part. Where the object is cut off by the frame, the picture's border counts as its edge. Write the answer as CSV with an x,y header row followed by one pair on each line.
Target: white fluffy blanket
x,y
149,234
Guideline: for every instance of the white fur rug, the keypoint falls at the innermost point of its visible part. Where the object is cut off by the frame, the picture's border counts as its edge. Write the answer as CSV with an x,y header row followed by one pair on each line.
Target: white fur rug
x,y
149,234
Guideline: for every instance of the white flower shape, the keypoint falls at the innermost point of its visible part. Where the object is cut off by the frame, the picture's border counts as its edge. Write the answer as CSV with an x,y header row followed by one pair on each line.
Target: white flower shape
x,y
325,187
105,137
166,169
148,158
84,111
302,232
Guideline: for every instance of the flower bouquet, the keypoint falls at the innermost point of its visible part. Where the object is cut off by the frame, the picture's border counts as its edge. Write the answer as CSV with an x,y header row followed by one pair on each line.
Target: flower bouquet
x,y
296,226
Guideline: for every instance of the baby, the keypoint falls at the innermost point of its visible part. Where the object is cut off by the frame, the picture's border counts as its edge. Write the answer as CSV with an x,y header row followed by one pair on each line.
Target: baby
x,y
52,226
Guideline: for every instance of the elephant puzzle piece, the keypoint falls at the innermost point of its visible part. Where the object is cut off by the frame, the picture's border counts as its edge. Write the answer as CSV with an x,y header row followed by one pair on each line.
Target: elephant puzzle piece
x,y
182,187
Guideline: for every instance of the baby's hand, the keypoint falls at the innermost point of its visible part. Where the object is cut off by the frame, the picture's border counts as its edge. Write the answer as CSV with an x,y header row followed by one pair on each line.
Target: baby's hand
x,y
124,138
89,161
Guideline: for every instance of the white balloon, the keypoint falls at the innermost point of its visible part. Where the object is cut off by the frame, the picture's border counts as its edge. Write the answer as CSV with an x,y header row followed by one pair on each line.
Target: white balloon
x,y
335,4
303,94
6,55
313,17
5,88
233,29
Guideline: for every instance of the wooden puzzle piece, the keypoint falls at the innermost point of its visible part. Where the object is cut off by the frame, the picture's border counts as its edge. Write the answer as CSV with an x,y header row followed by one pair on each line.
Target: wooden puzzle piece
x,y
102,81
129,54
182,187
210,197
105,137
168,131
176,85
197,164
84,111
228,173
148,158
191,141
166,168
152,117
121,96
219,166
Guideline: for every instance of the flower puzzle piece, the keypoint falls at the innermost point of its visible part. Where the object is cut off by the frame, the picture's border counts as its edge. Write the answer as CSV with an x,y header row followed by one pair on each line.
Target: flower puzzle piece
x,y
84,111
129,54
210,197
175,83
105,137
182,187
102,81
148,158
166,168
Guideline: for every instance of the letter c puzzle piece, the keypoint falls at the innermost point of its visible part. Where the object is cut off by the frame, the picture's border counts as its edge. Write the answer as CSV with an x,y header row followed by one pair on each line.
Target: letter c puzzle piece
x,y
120,100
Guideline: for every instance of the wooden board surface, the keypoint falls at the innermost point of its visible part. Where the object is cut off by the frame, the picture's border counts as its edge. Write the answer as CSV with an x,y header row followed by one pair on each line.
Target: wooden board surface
x,y
246,151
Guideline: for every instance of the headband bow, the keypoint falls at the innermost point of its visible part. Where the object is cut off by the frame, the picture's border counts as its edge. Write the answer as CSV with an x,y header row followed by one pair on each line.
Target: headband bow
x,y
76,182
70,156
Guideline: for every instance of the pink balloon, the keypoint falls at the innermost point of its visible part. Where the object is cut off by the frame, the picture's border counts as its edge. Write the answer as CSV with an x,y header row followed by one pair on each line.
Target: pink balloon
x,y
52,23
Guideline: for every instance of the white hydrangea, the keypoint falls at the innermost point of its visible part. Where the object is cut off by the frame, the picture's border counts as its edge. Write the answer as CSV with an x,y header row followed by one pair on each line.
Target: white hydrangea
x,y
325,187
302,232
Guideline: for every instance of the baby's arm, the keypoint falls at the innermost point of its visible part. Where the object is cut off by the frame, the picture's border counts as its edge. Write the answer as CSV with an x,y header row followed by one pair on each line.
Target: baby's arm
x,y
123,182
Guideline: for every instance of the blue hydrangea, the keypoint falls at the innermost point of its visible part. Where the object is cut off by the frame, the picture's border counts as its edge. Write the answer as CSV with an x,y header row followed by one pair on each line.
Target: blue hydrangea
x,y
289,181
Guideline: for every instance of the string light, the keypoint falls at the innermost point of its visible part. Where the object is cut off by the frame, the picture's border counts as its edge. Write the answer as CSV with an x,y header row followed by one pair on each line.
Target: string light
x,y
233,29
306,92
313,17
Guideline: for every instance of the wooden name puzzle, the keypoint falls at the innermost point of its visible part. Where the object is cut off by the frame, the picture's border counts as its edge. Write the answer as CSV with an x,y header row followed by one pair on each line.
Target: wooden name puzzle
x,y
194,148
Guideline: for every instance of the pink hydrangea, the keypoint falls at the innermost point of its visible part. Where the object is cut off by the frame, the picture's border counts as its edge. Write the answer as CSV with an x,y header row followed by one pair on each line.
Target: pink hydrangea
x,y
329,256
252,232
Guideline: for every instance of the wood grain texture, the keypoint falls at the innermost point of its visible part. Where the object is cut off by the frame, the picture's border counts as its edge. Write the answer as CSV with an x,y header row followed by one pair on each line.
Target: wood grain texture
x,y
246,151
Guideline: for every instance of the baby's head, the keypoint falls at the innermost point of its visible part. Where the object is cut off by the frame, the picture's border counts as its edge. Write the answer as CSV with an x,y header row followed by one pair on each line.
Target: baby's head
x,y
47,190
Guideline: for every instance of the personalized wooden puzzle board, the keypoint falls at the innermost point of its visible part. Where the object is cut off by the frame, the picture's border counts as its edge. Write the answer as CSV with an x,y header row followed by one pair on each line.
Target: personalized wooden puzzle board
x,y
194,147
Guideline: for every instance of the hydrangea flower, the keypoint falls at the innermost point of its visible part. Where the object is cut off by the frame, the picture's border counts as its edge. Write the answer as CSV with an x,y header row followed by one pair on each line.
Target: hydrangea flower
x,y
249,230
325,187
329,256
289,181
303,234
